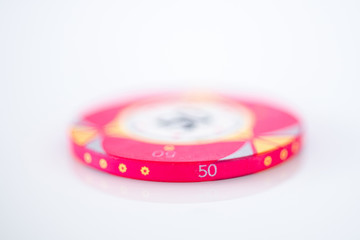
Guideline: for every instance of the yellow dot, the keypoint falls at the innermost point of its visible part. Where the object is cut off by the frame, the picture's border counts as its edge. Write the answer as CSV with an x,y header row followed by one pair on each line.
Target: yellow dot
x,y
145,171
295,147
284,154
122,167
267,161
87,158
169,147
103,164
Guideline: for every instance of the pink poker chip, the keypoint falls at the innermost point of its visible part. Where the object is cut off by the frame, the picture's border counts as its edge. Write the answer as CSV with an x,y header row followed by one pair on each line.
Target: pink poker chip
x,y
186,137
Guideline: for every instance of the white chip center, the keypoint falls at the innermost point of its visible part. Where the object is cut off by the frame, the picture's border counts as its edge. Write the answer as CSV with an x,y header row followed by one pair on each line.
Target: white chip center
x,y
183,122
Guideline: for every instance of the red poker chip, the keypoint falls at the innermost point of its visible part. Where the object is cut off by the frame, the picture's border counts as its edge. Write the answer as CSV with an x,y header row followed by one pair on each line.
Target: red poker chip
x,y
186,137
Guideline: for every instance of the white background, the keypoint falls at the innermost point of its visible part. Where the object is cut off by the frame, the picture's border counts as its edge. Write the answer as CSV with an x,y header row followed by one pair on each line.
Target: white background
x,y
58,58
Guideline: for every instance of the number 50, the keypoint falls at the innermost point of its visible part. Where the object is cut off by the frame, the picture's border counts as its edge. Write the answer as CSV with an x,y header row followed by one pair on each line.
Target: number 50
x,y
205,170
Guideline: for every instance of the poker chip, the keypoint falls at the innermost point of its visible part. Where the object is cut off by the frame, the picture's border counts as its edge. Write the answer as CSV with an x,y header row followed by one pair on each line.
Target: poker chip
x,y
186,137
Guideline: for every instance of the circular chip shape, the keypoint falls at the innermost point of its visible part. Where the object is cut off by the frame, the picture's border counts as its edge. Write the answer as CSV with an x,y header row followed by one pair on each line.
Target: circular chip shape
x,y
186,137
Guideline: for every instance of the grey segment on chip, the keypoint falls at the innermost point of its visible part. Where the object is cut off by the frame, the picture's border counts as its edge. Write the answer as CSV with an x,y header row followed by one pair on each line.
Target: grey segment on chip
x,y
244,151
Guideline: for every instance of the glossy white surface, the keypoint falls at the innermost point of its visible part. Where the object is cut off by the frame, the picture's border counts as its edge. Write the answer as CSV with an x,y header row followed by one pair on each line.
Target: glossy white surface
x,y
58,58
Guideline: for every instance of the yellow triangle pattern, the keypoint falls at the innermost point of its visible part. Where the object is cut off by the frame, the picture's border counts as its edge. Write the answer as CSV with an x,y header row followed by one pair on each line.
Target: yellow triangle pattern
x,y
114,129
82,135
279,140
247,134
262,146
